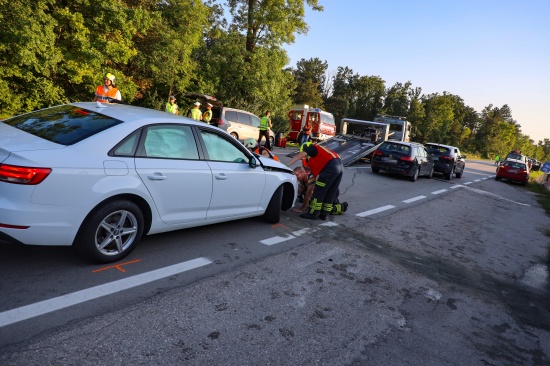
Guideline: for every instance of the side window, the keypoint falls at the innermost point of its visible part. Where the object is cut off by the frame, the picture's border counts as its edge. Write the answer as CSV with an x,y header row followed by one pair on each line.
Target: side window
x,y
128,146
221,149
231,116
169,142
255,121
244,119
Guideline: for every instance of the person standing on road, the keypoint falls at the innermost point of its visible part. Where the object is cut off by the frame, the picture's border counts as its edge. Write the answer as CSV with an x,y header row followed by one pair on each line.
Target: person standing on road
x,y
107,91
265,126
497,159
207,115
171,106
327,166
196,112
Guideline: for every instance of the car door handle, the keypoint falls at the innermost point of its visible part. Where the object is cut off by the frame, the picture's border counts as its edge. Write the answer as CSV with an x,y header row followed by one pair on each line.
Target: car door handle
x,y
157,176
221,176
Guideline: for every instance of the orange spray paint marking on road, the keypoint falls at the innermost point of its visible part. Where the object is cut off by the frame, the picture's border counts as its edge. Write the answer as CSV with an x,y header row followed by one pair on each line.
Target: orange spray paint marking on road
x,y
274,226
117,266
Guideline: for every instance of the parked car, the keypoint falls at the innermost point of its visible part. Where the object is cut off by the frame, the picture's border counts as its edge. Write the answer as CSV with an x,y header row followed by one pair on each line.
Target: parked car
x,y
409,159
447,160
535,164
513,170
97,176
515,155
238,123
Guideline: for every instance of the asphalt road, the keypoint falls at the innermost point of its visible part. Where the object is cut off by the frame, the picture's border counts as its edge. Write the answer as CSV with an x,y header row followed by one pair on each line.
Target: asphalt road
x,y
426,273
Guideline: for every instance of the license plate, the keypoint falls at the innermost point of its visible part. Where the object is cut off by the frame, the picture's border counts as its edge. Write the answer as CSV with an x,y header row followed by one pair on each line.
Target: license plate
x,y
512,171
388,160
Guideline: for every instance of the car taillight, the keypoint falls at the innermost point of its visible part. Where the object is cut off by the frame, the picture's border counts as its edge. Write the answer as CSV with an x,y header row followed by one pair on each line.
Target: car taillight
x,y
221,122
406,158
450,158
377,152
23,174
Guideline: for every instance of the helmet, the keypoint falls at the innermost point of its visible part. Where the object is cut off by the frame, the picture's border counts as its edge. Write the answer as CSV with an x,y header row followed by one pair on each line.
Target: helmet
x,y
249,142
110,77
304,144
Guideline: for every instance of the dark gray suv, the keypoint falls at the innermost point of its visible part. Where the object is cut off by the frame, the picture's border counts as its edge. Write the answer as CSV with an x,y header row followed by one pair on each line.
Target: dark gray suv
x,y
409,159
447,160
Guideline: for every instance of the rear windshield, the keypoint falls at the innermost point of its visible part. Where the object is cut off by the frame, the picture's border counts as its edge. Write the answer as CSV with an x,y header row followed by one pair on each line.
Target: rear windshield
x,y
65,125
432,149
513,164
405,149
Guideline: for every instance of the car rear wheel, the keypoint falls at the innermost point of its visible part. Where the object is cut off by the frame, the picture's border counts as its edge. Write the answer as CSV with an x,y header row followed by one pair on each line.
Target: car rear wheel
x,y
459,175
450,174
415,175
273,212
431,173
375,170
110,232
497,178
234,134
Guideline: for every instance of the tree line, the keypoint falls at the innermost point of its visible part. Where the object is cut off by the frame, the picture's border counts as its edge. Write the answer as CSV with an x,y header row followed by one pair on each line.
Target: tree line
x,y
57,51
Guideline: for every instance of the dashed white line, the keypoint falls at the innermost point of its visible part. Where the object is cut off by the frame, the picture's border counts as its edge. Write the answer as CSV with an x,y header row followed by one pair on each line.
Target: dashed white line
x,y
74,298
477,180
329,223
414,199
440,191
374,211
456,186
467,183
276,240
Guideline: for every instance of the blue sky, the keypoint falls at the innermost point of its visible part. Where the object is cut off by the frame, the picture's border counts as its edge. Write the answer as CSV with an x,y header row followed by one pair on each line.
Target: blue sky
x,y
485,51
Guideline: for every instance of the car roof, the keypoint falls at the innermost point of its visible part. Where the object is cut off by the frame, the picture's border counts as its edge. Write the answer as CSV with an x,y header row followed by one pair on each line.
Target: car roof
x,y
408,143
129,113
448,146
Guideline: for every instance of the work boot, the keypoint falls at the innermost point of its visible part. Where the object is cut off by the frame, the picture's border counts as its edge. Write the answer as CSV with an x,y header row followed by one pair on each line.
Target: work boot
x,y
307,215
323,215
344,206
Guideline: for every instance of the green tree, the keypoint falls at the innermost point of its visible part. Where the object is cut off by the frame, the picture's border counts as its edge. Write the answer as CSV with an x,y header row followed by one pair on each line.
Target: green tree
x,y
310,81
396,101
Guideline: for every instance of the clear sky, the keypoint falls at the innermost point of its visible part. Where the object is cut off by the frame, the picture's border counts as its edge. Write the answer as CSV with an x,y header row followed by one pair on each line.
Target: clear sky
x,y
485,51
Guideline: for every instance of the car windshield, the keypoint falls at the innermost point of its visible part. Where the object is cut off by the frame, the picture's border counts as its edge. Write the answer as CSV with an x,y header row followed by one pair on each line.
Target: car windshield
x,y
65,125
405,149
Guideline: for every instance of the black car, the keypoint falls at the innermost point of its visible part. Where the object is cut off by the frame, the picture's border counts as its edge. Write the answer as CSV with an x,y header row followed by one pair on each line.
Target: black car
x,y
535,164
447,160
409,159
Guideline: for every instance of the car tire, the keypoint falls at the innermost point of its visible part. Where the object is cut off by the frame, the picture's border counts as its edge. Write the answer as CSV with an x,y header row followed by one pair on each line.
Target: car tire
x,y
449,175
415,175
375,170
273,212
431,173
459,175
234,134
497,178
110,232
271,142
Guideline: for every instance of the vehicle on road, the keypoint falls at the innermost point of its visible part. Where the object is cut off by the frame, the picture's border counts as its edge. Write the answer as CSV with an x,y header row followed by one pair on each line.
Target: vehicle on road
x,y
98,176
535,164
447,160
513,170
321,123
409,159
516,155
238,123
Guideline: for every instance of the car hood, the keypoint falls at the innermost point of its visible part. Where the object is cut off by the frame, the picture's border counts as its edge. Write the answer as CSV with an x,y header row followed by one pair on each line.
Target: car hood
x,y
273,164
13,140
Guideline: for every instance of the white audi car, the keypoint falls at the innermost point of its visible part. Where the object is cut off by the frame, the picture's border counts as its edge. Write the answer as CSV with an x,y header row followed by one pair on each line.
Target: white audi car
x,y
99,176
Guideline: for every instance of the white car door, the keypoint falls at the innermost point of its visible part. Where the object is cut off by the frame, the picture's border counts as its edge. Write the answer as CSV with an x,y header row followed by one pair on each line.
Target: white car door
x,y
237,188
169,166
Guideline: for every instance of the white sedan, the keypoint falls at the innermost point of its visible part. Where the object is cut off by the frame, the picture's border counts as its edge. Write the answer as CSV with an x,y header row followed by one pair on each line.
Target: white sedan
x,y
99,176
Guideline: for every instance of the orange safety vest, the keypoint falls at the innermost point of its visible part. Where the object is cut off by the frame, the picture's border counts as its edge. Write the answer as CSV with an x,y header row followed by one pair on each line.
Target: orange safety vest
x,y
317,163
102,94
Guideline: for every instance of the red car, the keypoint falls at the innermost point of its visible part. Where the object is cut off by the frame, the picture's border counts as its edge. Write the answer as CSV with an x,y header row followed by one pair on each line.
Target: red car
x,y
513,170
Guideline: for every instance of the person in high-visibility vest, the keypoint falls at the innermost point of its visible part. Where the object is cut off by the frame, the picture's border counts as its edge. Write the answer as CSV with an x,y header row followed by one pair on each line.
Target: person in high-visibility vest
x,y
196,112
265,126
107,91
207,115
327,166
171,106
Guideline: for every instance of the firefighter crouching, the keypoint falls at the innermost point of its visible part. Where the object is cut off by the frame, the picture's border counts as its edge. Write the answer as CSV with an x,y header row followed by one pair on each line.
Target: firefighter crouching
x,y
326,165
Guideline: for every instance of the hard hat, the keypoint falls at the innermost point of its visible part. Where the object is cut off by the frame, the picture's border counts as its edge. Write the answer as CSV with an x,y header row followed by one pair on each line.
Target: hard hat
x,y
196,103
110,77
304,144
172,97
249,142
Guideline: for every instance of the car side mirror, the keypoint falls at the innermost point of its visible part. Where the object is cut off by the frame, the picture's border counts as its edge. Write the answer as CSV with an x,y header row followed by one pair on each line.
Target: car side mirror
x,y
463,157
253,162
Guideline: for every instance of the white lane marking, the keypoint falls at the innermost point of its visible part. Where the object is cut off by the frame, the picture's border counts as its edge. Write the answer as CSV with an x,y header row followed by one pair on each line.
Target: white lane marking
x,y
414,199
440,191
375,211
484,178
467,183
301,232
329,223
456,186
276,240
496,196
477,180
74,298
